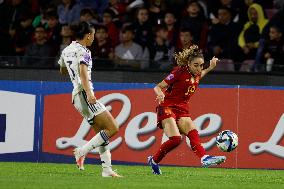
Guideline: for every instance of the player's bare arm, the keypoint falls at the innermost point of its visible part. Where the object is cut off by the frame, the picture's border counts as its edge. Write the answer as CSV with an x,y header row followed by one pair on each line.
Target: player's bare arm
x,y
159,91
213,63
85,83
63,70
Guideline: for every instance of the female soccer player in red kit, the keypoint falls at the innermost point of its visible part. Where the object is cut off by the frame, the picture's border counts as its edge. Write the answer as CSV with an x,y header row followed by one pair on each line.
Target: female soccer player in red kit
x,y
173,110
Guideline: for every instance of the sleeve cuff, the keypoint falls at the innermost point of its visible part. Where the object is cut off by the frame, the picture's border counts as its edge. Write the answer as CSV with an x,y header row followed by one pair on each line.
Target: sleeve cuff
x,y
82,62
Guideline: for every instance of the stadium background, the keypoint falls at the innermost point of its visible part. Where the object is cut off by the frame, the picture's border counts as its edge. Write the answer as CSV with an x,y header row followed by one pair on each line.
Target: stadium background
x,y
50,127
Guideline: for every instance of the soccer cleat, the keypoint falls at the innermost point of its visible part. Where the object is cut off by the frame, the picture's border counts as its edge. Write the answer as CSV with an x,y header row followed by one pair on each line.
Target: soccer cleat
x,y
110,173
155,166
208,161
79,159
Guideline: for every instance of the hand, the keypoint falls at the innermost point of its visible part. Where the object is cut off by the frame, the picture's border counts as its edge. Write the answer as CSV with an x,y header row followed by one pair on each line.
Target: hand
x,y
267,55
91,98
251,45
215,21
160,98
213,62
246,49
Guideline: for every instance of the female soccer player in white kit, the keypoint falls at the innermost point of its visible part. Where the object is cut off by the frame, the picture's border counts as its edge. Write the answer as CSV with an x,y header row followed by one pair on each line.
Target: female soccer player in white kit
x,y
76,59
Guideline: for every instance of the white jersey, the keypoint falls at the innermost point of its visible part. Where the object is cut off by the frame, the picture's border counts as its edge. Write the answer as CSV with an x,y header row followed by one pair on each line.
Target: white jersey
x,y
71,57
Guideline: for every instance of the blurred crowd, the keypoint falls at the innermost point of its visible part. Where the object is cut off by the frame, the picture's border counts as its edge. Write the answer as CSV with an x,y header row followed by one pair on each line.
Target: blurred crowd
x,y
247,35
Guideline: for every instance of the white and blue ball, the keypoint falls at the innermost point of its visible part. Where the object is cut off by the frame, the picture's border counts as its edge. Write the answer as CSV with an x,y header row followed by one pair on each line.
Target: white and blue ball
x,y
227,141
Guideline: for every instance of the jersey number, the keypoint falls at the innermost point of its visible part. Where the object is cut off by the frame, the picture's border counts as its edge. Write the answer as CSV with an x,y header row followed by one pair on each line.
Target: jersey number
x,y
73,73
190,90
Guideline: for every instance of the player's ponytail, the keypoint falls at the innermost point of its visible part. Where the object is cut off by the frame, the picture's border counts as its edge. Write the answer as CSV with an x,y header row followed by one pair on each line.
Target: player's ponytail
x,y
187,55
81,29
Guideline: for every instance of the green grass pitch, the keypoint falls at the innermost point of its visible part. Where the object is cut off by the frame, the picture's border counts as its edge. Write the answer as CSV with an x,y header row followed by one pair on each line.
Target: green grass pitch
x,y
61,176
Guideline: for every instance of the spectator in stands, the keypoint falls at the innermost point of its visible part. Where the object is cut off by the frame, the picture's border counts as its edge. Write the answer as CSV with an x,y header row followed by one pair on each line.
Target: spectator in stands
x,y
276,20
244,6
144,33
196,22
38,52
41,18
156,11
185,38
223,36
53,30
98,5
273,51
128,53
68,12
176,6
23,35
89,16
250,34
185,41
102,48
119,9
113,31
66,36
231,4
161,49
10,12
173,30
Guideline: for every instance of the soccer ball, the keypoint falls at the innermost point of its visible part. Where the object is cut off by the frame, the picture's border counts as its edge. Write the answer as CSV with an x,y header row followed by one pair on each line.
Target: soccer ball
x,y
227,141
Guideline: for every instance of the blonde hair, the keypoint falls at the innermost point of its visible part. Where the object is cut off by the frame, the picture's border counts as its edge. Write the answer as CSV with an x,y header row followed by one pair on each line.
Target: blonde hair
x,y
187,55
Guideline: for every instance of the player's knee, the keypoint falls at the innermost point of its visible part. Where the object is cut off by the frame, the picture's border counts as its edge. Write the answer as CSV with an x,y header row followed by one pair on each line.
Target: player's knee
x,y
112,131
115,130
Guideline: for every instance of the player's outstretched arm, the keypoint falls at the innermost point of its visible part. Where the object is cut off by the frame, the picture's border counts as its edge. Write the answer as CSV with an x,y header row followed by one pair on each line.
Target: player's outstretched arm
x,y
213,63
159,91
85,83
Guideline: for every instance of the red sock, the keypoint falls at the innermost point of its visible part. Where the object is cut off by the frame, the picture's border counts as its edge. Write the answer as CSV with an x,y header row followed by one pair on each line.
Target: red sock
x,y
166,147
195,143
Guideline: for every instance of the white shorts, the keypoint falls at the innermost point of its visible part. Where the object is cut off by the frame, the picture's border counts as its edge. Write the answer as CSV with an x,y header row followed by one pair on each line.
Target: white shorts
x,y
87,110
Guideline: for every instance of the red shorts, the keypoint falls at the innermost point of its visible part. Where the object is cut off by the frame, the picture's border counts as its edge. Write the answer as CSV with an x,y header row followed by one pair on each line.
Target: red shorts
x,y
176,112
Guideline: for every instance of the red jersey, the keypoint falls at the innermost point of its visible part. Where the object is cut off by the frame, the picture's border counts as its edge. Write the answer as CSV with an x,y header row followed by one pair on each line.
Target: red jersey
x,y
182,85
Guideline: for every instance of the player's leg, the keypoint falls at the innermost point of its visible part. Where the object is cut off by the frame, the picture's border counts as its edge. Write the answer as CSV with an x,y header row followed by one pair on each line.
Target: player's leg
x,y
96,114
187,127
172,132
106,123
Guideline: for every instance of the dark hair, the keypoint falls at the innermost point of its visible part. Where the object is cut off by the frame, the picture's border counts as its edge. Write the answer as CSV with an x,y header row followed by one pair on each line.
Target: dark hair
x,y
109,12
141,8
85,11
81,29
51,14
128,27
228,9
160,27
101,27
170,12
40,26
186,29
277,28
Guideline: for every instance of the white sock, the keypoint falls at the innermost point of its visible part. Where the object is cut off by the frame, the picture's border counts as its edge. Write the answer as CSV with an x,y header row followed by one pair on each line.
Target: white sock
x,y
96,141
105,156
